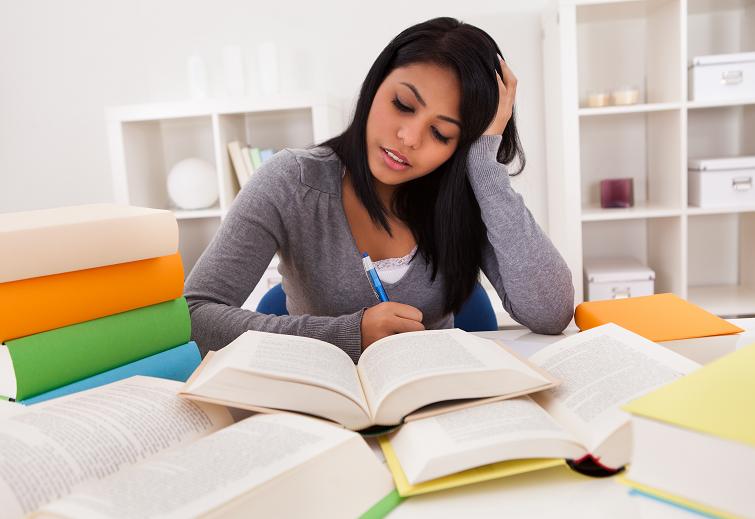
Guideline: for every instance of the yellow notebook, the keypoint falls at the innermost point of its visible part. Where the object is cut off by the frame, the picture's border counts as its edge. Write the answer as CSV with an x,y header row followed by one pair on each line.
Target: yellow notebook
x,y
717,399
660,317
467,477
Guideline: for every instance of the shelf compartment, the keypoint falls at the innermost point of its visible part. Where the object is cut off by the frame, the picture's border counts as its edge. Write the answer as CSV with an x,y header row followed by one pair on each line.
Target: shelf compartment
x,y
723,131
630,44
151,148
646,147
724,300
719,27
720,257
193,236
655,242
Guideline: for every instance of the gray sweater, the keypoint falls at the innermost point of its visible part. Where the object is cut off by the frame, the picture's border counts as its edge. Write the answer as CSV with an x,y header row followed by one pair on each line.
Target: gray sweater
x,y
293,206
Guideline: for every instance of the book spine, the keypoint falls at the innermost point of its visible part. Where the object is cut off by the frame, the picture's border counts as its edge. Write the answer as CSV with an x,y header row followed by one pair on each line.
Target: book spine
x,y
248,167
173,364
44,303
237,161
47,360
53,249
254,153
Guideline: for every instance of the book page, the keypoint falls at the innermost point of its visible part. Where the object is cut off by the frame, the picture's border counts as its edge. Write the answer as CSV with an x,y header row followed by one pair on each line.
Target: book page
x,y
517,428
396,360
8,409
52,447
601,369
290,357
198,478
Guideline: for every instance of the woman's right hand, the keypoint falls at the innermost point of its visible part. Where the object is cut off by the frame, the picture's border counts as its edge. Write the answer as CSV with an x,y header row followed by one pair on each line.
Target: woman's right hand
x,y
386,319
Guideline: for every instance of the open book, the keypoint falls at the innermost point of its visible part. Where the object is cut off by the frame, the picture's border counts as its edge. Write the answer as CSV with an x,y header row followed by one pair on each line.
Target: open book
x,y
600,370
394,377
133,448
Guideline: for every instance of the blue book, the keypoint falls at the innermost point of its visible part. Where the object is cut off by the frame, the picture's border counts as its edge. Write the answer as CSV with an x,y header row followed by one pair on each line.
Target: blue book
x,y
175,364
266,154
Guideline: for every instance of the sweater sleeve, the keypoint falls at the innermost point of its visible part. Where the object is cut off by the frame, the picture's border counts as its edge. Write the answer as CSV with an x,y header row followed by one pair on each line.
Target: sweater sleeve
x,y
528,273
235,260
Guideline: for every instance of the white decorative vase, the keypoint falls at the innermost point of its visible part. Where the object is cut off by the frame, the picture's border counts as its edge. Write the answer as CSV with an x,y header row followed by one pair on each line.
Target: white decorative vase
x,y
192,184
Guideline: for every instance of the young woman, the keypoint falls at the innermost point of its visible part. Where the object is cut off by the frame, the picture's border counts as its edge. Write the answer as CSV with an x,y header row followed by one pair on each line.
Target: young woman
x,y
418,182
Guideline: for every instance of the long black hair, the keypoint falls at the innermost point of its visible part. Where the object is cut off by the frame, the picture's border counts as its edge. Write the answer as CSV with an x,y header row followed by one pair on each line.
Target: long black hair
x,y
440,208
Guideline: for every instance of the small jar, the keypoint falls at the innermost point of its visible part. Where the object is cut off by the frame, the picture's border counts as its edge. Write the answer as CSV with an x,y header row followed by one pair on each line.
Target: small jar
x,y
597,99
627,95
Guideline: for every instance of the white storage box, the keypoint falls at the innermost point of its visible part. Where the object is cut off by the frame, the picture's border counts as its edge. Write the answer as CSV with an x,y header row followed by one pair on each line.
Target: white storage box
x,y
721,182
722,76
617,278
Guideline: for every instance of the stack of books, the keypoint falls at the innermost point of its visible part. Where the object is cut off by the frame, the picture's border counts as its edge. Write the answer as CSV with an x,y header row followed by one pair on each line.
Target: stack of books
x,y
88,295
247,159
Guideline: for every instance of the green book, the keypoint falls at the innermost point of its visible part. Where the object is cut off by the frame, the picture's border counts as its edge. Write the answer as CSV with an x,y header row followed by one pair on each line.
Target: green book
x,y
254,154
44,361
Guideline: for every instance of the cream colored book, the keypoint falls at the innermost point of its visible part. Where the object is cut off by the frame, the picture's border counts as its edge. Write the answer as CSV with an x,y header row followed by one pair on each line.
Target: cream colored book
x,y
600,370
238,162
395,377
66,239
133,448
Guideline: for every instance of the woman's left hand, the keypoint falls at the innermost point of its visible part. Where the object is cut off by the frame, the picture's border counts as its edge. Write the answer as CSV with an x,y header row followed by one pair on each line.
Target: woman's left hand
x,y
506,94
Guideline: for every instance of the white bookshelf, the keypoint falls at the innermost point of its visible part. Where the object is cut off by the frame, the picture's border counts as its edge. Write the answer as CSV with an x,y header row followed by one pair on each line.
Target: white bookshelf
x,y
147,140
704,255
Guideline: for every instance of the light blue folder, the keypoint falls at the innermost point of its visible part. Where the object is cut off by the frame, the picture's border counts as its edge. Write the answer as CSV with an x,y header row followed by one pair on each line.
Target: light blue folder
x,y
175,364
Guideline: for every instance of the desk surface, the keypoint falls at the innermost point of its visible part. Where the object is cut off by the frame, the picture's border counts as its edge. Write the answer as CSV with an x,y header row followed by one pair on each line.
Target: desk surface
x,y
560,492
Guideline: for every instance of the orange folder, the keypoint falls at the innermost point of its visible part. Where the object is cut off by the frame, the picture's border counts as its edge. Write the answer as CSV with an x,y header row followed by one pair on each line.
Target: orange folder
x,y
660,317
44,303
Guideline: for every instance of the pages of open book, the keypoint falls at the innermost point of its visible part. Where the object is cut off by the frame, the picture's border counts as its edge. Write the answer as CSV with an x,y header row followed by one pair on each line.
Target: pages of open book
x,y
266,357
7,374
52,447
500,431
600,369
264,466
8,409
406,371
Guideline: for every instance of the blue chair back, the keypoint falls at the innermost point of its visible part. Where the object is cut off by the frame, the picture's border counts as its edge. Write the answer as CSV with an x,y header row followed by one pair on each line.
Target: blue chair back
x,y
476,315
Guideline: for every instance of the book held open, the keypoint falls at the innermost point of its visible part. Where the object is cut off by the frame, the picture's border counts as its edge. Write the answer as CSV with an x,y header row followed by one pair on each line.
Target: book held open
x,y
395,376
600,369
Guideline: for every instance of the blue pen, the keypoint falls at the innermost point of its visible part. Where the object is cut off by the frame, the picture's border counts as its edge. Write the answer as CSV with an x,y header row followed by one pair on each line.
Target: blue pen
x,y
369,268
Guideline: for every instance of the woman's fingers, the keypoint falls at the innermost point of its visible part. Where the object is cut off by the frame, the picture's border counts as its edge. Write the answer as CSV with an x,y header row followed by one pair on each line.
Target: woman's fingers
x,y
506,94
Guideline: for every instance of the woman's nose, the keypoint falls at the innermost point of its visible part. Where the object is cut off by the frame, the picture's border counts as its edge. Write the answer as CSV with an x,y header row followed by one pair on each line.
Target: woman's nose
x,y
410,135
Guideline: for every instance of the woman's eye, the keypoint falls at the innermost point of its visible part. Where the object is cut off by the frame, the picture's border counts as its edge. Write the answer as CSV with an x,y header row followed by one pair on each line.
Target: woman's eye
x,y
401,106
442,138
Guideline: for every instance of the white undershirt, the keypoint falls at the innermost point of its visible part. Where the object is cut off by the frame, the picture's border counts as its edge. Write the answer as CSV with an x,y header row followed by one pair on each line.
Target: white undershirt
x,y
391,270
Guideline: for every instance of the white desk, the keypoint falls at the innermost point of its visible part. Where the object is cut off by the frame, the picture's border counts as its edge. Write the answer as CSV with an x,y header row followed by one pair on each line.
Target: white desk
x,y
560,492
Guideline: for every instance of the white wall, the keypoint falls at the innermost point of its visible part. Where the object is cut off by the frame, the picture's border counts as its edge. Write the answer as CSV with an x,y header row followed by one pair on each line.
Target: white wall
x,y
62,62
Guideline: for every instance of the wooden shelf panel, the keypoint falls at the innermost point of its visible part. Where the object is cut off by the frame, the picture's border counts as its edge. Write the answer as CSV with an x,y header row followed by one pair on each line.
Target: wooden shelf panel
x,y
629,109
182,109
692,105
724,300
213,212
598,214
694,211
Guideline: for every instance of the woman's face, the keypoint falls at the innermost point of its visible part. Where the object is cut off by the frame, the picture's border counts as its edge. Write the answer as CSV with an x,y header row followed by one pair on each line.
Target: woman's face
x,y
414,116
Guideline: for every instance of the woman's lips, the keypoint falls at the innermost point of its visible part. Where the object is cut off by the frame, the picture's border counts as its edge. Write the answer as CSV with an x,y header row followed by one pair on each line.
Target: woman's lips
x,y
391,162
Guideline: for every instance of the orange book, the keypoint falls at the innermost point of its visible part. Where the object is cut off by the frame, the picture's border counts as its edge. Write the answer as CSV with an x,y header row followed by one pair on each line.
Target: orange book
x,y
44,303
660,317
